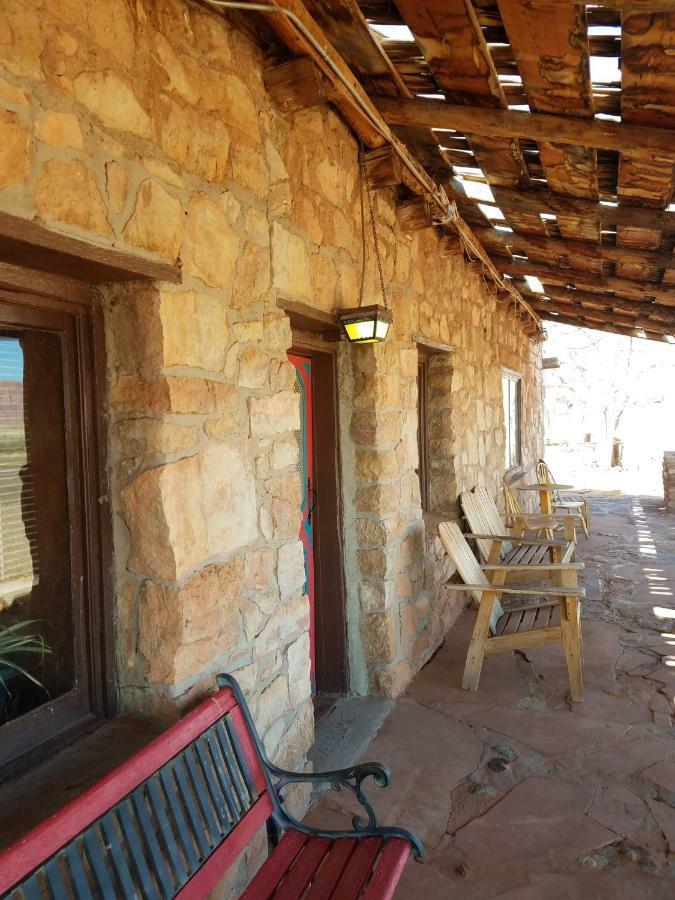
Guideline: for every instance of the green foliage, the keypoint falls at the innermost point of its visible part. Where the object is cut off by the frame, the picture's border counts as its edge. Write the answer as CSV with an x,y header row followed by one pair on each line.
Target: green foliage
x,y
15,641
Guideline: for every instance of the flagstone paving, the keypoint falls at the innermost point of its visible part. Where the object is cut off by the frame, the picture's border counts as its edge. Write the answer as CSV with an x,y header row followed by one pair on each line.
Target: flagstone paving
x,y
517,792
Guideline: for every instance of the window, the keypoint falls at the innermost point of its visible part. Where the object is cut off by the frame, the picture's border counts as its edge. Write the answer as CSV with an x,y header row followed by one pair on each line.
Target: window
x,y
511,398
422,429
50,573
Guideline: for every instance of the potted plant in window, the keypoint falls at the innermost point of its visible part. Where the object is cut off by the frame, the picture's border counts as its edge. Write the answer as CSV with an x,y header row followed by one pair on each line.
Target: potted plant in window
x,y
14,641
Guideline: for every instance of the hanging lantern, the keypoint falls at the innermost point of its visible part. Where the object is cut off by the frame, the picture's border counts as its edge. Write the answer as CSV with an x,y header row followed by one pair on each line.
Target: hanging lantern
x,y
365,324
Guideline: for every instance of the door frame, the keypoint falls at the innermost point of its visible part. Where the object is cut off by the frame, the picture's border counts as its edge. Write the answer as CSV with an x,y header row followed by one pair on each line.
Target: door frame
x,y
28,739
330,614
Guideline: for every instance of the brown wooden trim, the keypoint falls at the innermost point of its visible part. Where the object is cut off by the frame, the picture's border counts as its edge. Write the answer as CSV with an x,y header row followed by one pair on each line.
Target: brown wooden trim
x,y
427,344
330,612
423,427
35,283
27,243
305,317
35,735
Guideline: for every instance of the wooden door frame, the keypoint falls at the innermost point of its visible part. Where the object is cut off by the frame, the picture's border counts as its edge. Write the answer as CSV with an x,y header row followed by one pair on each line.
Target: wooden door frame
x,y
86,376
332,670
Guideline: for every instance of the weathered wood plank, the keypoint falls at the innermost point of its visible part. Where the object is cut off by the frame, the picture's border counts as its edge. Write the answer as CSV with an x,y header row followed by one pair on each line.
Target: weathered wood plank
x,y
643,141
614,318
602,326
663,314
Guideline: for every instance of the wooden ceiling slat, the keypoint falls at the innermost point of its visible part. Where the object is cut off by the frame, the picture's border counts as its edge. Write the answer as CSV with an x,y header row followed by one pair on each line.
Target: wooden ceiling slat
x,y
551,52
455,49
601,326
605,301
570,309
647,98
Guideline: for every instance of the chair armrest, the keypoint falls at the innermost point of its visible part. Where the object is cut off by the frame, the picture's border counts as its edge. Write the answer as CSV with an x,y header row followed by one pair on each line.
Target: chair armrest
x,y
512,589
512,539
532,567
544,519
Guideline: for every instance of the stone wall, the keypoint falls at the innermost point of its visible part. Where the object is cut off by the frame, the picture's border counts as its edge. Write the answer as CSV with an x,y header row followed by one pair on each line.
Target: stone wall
x,y
145,126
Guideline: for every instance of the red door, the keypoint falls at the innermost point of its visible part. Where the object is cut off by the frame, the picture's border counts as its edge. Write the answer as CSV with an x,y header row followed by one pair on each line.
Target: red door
x,y
303,385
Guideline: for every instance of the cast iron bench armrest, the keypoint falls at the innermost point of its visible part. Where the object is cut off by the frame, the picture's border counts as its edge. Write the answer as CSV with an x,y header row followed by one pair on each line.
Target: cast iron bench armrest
x,y
351,778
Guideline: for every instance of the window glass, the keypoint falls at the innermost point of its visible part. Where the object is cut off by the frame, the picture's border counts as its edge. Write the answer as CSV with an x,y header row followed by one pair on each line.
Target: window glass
x,y
36,596
422,466
511,400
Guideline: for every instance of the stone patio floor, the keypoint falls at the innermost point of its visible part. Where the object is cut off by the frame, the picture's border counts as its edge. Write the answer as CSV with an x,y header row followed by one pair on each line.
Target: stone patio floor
x,y
515,792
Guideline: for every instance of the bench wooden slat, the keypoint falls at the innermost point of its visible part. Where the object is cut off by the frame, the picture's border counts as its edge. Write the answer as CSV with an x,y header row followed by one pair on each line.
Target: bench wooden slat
x,y
220,802
54,878
119,861
160,814
188,843
390,866
92,843
279,862
211,872
205,841
149,835
331,870
78,877
243,740
202,794
227,736
302,870
129,826
224,777
354,877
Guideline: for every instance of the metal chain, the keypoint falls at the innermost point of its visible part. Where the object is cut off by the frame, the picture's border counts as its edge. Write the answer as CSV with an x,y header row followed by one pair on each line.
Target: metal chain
x,y
364,176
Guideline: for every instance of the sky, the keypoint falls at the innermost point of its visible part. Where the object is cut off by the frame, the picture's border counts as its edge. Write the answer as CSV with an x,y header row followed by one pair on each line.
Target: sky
x,y
11,360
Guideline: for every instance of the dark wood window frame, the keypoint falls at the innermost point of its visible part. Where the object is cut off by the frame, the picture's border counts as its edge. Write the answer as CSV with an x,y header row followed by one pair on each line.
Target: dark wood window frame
x,y
49,275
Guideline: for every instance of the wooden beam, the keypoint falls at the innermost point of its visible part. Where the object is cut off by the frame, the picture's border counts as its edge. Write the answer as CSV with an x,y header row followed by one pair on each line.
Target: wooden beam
x,y
603,301
538,201
585,279
27,243
297,84
415,214
571,309
602,326
383,168
450,246
553,247
641,140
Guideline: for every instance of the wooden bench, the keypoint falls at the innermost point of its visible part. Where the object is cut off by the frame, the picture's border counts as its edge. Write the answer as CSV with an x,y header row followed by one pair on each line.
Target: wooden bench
x,y
173,819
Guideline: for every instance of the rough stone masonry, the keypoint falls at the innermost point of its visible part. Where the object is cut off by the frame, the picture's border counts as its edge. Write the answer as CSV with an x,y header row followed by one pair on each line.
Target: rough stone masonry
x,y
145,126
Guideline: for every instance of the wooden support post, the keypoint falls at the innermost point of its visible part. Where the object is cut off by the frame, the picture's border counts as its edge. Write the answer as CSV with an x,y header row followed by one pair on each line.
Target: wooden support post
x,y
383,167
415,214
297,84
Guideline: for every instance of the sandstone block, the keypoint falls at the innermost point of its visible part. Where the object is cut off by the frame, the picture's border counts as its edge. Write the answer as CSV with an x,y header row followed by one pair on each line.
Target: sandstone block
x,y
273,702
252,281
157,222
373,427
228,498
162,510
247,165
376,465
291,271
235,422
393,680
66,190
194,329
196,139
373,562
380,499
377,391
285,491
274,415
183,629
12,94
146,437
16,149
291,569
112,100
379,633
277,329
253,366
375,595
259,570
212,245
285,452
59,129
299,681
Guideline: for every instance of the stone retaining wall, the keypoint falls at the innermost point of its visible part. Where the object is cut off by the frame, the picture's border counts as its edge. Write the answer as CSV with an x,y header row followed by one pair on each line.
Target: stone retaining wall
x,y
146,126
669,478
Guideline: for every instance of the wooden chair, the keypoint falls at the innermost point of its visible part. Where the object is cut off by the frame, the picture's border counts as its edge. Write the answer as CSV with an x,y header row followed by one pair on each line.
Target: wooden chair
x,y
516,513
569,501
555,618
481,512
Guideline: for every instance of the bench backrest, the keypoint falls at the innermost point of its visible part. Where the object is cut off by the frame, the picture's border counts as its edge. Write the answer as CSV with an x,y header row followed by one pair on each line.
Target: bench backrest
x,y
483,516
168,822
545,476
457,548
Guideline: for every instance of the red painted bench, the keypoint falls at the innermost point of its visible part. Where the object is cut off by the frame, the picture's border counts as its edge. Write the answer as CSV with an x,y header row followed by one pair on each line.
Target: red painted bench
x,y
171,821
